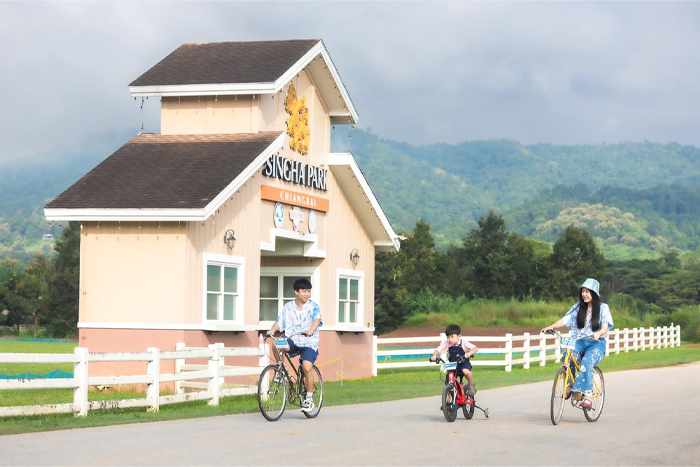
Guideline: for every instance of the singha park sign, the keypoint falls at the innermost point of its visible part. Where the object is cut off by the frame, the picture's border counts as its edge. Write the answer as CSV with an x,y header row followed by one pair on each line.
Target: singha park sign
x,y
299,133
297,172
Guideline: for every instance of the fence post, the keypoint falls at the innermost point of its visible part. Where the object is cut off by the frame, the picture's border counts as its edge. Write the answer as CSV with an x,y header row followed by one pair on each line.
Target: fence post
x,y
153,389
443,338
678,335
543,349
617,341
179,363
526,351
80,374
264,359
665,331
671,335
627,340
509,352
635,341
374,355
658,337
557,352
213,367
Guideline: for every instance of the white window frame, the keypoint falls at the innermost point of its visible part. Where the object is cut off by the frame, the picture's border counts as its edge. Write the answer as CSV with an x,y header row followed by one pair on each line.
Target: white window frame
x,y
212,259
315,274
350,274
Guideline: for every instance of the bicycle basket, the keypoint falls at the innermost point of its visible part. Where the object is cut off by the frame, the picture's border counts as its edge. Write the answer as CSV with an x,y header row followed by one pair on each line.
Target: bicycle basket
x,y
281,343
448,366
568,343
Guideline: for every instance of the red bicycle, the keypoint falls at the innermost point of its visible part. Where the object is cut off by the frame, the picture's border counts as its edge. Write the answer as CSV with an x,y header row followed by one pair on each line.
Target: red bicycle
x,y
454,396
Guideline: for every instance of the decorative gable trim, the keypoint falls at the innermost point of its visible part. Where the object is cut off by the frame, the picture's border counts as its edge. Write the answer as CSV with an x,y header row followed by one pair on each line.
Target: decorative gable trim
x,y
353,182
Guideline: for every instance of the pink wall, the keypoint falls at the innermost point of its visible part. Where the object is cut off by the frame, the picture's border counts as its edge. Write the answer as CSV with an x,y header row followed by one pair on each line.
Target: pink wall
x,y
349,352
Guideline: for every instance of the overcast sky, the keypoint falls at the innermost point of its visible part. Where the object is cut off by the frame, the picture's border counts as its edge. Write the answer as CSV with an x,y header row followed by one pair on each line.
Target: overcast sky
x,y
559,72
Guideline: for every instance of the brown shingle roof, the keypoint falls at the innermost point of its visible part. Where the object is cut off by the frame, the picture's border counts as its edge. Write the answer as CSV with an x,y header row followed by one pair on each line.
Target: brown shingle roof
x,y
165,172
226,62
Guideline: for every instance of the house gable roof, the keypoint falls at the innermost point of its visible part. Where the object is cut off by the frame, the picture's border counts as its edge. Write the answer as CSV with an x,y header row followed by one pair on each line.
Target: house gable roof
x,y
230,68
354,183
157,177
225,62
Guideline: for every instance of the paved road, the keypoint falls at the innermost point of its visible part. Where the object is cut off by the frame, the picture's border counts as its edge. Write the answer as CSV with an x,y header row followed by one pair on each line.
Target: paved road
x,y
650,418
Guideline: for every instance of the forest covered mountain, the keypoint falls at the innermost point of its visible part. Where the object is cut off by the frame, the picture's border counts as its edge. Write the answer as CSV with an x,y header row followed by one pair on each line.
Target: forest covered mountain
x,y
636,199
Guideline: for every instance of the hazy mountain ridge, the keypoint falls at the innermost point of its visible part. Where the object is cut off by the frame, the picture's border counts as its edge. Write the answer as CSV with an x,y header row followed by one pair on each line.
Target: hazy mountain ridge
x,y
451,186
643,196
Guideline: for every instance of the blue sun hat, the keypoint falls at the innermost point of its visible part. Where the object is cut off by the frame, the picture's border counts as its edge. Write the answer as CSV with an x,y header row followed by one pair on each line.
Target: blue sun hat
x,y
592,285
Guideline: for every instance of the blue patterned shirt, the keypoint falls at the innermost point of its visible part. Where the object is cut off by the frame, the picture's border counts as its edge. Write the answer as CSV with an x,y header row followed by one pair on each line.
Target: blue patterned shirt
x,y
570,321
291,320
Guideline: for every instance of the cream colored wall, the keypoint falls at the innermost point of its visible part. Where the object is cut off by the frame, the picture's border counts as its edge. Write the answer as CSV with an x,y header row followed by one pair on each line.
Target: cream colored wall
x,y
348,233
240,213
132,274
209,115
339,231
246,114
155,273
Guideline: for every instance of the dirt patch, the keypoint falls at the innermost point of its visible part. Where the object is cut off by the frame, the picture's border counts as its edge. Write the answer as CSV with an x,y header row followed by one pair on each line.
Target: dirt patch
x,y
469,332
420,331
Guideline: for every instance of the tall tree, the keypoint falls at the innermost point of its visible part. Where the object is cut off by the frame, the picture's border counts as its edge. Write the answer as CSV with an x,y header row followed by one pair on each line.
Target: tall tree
x,y
64,284
497,263
23,292
401,276
575,257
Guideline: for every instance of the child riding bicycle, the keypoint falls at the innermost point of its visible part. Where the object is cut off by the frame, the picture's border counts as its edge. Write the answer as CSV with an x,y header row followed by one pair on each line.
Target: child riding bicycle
x,y
459,349
591,318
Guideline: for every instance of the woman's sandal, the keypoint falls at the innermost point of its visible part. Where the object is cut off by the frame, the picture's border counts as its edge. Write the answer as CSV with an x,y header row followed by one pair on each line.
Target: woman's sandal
x,y
586,404
568,392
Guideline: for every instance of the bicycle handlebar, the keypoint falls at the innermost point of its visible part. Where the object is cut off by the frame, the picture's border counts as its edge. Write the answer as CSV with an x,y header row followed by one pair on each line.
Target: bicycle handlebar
x,y
268,335
439,360
558,334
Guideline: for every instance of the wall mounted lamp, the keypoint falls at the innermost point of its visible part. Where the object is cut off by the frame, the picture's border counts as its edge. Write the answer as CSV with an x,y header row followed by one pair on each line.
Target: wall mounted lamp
x,y
355,257
229,239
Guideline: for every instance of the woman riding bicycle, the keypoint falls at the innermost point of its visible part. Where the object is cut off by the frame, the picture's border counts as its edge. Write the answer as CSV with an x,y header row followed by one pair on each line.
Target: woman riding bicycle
x,y
592,320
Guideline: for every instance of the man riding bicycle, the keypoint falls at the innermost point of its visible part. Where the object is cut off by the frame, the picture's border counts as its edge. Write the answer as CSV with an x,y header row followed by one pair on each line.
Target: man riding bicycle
x,y
302,315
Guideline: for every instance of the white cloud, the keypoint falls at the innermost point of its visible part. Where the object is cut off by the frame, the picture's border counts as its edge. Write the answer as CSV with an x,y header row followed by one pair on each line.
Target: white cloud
x,y
568,72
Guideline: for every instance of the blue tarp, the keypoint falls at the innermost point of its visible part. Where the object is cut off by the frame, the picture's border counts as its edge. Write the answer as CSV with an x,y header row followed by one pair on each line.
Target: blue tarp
x,y
36,339
53,374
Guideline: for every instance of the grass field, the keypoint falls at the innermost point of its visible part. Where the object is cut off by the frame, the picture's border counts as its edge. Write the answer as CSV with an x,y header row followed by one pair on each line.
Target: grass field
x,y
388,385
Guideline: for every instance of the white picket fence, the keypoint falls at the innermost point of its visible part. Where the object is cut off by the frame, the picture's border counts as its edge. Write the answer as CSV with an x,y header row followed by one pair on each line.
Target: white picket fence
x,y
186,375
535,349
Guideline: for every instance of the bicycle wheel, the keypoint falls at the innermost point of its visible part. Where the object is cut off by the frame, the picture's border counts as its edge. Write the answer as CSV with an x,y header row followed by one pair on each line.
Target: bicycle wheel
x,y
272,393
318,392
558,390
468,410
449,405
598,397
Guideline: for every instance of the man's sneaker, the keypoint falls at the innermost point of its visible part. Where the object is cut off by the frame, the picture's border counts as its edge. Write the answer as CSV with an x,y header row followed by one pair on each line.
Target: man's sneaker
x,y
471,389
307,405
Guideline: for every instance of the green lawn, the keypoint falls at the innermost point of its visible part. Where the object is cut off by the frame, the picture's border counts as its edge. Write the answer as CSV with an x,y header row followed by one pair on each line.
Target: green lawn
x,y
388,385
29,346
